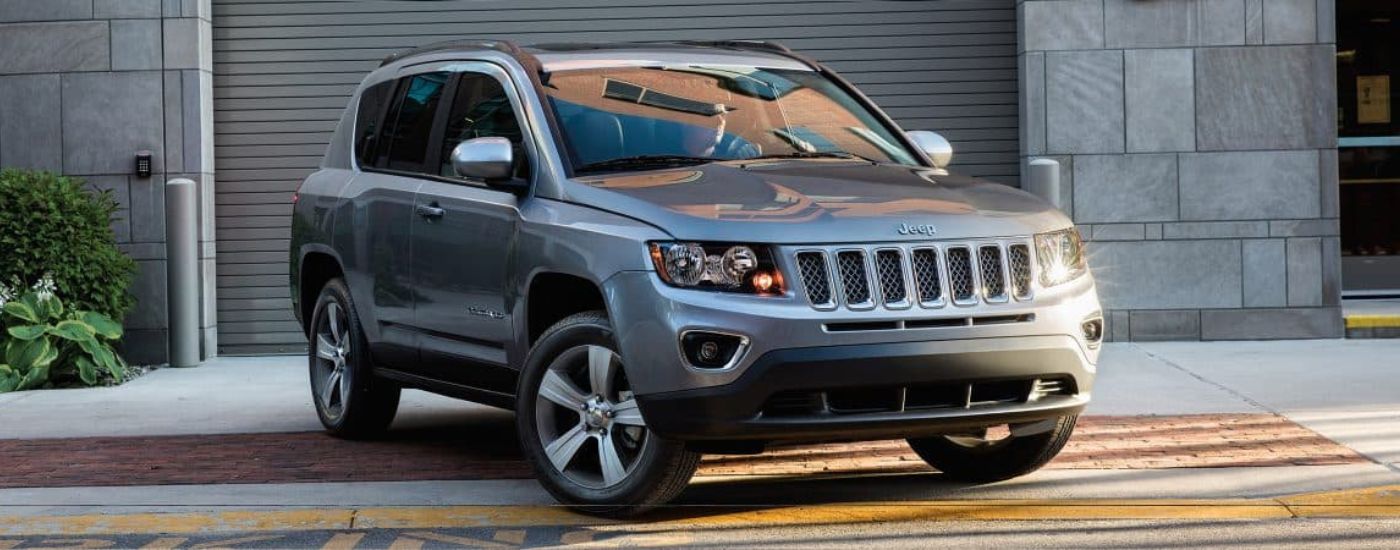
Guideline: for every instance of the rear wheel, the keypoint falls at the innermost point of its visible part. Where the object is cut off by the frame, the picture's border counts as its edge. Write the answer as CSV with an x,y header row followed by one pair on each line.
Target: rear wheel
x,y
582,431
350,401
985,457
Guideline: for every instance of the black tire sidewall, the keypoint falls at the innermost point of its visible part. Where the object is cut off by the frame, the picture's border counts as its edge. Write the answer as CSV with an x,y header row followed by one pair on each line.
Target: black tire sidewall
x,y
1015,458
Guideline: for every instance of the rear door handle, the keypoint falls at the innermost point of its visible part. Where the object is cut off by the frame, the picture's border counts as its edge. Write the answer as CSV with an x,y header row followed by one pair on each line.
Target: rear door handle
x,y
429,211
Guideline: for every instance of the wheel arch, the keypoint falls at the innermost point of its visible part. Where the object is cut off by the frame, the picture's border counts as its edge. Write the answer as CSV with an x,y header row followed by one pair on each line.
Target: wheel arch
x,y
317,267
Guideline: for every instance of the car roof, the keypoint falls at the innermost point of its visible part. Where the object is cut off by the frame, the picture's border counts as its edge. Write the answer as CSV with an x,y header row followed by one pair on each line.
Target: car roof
x,y
579,55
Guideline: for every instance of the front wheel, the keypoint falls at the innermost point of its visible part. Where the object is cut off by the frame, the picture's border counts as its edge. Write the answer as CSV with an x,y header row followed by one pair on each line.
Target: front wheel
x,y
582,431
976,457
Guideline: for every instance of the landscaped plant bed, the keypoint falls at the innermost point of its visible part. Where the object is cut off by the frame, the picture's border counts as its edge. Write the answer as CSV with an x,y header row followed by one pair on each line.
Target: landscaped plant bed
x,y
63,284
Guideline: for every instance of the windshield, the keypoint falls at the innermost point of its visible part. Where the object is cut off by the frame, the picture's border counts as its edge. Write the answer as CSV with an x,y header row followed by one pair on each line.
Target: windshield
x,y
698,114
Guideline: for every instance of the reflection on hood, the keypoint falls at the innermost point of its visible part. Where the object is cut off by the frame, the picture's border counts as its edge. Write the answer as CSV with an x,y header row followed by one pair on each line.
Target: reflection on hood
x,y
796,191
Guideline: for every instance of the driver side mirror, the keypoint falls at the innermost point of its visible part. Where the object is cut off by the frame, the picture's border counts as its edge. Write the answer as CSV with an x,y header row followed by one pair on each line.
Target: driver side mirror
x,y
490,159
935,146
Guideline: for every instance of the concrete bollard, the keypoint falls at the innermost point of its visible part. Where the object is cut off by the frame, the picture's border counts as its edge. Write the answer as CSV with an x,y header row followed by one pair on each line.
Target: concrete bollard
x,y
1043,180
182,270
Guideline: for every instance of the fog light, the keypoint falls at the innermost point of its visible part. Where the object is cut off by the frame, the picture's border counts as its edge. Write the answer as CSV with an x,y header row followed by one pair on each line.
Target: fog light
x,y
712,350
1093,330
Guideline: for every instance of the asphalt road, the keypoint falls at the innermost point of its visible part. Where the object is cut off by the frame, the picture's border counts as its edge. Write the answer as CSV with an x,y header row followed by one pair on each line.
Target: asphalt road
x,y
1286,533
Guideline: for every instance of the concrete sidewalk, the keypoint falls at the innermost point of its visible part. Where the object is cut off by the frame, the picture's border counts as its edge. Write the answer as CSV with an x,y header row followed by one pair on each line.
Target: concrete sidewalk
x,y
1343,390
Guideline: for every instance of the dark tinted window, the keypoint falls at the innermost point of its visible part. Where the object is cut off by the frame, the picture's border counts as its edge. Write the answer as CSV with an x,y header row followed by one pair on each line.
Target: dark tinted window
x,y
481,108
367,118
406,139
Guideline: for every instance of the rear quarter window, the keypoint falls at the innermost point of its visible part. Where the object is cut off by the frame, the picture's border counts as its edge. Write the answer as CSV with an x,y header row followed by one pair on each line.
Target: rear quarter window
x,y
367,119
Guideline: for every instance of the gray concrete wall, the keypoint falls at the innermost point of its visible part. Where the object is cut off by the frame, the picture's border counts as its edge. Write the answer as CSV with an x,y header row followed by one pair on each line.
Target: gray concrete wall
x,y
1198,148
84,84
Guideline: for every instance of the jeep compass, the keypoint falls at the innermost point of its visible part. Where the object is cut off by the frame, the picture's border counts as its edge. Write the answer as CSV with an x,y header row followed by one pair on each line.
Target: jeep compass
x,y
654,251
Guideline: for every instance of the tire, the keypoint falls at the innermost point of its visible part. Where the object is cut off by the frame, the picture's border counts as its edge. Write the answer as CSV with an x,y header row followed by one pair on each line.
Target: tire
x,y
971,459
350,400
565,426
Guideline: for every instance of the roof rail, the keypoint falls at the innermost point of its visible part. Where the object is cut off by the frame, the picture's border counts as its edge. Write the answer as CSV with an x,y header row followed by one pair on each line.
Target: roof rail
x,y
504,46
739,45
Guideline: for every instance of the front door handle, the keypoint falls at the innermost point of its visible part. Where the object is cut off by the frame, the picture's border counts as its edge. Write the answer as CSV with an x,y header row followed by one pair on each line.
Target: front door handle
x,y
429,211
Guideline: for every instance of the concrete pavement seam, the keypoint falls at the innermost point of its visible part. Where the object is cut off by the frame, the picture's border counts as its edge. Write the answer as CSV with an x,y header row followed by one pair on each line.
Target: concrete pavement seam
x,y
1193,374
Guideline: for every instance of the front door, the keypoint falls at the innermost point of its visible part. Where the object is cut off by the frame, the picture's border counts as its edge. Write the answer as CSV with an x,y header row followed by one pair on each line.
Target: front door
x,y
463,247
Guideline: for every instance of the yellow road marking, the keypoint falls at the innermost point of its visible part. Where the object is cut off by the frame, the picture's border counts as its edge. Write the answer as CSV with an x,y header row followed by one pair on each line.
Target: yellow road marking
x,y
1368,502
165,543
1373,321
343,541
230,543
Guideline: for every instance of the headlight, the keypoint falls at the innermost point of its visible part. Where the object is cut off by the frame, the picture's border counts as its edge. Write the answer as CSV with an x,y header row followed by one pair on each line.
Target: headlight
x,y
715,266
1061,256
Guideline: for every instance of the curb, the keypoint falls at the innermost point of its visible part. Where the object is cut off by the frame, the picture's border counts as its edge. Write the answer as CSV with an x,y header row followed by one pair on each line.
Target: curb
x,y
1372,321
1374,502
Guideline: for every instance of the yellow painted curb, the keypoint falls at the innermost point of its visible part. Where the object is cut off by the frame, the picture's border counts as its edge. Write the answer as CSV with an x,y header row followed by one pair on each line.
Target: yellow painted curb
x,y
1373,321
1369,502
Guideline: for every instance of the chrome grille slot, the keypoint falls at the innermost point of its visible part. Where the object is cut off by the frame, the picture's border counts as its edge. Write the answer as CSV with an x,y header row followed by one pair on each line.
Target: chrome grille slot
x,y
855,280
1018,258
816,280
889,268
993,276
960,283
926,279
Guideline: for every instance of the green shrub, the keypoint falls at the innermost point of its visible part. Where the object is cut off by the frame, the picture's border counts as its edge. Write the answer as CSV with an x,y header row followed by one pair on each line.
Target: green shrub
x,y
51,226
42,341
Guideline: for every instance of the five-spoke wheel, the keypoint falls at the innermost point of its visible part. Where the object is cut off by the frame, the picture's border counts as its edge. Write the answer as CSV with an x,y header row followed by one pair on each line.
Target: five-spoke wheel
x,y
329,383
349,399
582,429
585,404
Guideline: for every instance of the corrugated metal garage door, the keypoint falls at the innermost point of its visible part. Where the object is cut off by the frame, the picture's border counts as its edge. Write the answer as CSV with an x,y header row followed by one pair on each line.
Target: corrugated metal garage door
x,y
284,69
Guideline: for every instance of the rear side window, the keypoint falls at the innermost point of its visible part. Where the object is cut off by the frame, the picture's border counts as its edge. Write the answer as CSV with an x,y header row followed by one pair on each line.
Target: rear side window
x,y
367,120
406,138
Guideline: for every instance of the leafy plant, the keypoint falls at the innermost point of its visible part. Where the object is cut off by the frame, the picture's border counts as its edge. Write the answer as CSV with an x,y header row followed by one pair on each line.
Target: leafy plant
x,y
51,226
42,340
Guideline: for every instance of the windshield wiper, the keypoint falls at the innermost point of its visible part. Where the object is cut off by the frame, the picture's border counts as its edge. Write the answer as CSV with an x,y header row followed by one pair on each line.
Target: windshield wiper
x,y
814,155
644,161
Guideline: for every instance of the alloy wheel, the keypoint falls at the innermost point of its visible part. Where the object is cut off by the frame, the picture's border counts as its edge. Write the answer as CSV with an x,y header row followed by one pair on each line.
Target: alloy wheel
x,y
330,383
587,418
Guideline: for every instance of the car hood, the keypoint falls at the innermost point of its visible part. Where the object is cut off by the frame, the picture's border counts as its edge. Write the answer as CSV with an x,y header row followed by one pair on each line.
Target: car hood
x,y
816,201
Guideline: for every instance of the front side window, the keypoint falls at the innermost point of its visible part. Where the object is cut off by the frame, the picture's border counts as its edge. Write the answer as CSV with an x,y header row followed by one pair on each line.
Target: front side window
x,y
481,108
711,113
406,137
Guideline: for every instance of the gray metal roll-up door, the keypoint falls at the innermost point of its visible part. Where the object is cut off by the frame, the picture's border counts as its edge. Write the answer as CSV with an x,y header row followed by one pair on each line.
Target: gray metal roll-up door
x,y
284,69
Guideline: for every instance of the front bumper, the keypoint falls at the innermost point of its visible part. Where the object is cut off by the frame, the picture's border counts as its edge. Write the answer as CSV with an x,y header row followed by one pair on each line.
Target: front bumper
x,y
926,378
795,349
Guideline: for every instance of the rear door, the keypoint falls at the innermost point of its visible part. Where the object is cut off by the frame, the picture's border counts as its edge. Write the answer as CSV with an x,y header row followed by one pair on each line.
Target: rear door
x,y
392,171
464,241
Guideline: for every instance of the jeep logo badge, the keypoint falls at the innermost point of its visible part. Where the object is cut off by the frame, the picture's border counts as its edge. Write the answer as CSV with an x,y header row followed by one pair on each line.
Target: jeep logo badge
x,y
921,229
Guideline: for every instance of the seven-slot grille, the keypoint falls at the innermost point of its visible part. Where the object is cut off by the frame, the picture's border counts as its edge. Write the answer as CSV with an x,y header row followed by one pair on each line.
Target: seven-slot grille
x,y
930,275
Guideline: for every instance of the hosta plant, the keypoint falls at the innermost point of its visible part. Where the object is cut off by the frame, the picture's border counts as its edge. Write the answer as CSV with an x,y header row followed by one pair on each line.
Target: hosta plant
x,y
42,340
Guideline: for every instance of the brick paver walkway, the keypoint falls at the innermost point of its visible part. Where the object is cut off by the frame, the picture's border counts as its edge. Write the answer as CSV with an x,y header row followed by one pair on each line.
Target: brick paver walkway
x,y
488,451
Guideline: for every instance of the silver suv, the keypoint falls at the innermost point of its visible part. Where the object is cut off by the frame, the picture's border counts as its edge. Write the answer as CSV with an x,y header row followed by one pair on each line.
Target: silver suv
x,y
653,251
